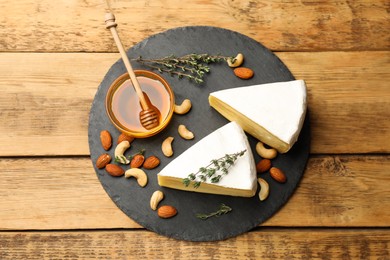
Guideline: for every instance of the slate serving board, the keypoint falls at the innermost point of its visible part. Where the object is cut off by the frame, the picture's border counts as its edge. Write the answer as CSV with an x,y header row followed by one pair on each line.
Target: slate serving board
x,y
133,200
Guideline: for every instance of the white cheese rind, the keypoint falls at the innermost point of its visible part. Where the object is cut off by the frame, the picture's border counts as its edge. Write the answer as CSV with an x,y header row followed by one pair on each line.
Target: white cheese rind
x,y
279,108
228,139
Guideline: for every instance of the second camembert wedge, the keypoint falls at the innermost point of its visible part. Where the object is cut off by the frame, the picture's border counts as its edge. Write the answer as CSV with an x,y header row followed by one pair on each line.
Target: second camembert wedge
x,y
272,113
241,179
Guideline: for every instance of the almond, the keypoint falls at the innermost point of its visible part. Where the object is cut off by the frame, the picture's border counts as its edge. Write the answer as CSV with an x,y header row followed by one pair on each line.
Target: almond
x,y
151,162
125,137
166,211
263,166
243,73
278,175
106,139
103,160
114,170
137,161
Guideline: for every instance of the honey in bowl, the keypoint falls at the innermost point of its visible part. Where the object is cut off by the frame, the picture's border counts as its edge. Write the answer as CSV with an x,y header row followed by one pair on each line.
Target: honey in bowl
x,y
123,106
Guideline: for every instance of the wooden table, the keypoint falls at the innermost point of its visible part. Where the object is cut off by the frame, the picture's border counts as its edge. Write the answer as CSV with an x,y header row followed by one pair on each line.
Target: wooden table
x,y
54,55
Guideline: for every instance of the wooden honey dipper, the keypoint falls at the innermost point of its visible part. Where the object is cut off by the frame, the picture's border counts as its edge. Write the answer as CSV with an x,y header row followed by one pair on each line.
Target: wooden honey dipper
x,y
148,116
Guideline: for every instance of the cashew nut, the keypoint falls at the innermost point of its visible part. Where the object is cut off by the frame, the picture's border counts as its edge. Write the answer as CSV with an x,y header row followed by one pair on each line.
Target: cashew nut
x,y
264,189
139,174
166,146
120,150
157,196
266,153
236,61
183,108
185,133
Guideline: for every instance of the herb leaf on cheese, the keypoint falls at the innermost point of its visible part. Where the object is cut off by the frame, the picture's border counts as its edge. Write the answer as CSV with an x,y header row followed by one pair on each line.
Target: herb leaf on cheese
x,y
214,171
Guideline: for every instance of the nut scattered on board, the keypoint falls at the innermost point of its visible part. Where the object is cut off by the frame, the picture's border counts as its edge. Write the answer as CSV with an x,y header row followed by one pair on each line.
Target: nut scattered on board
x,y
151,162
264,189
120,150
166,211
263,165
137,161
166,146
185,133
278,175
140,175
266,153
114,170
157,196
103,160
106,139
183,108
124,137
236,61
243,73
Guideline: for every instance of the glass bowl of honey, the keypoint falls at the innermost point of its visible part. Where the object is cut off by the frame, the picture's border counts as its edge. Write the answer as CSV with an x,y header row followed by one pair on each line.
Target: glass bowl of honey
x,y
123,106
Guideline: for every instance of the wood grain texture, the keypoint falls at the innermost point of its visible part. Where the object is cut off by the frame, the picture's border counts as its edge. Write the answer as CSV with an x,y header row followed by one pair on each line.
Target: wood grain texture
x,y
64,26
46,98
349,99
64,193
54,54
259,244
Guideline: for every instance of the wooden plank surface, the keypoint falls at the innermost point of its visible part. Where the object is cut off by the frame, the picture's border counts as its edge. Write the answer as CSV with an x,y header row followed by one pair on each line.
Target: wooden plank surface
x,y
64,193
54,54
73,26
259,244
46,97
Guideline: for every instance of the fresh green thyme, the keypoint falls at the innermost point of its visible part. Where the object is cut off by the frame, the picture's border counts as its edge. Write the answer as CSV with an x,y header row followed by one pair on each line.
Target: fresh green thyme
x,y
222,210
214,171
141,152
191,66
122,158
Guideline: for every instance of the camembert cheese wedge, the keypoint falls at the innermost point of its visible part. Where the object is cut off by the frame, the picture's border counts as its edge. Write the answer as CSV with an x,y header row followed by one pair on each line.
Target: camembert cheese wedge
x,y
229,139
272,113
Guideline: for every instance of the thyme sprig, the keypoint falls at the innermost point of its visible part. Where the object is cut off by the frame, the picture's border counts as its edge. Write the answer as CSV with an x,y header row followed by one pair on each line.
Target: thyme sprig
x,y
222,210
122,158
191,66
141,152
214,171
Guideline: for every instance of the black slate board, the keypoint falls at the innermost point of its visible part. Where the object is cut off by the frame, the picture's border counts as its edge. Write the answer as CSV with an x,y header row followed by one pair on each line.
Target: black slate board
x,y
247,213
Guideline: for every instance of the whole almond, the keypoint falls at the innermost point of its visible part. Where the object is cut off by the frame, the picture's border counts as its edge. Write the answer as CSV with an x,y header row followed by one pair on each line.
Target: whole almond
x,y
151,162
106,139
114,170
263,165
166,211
278,175
103,160
243,72
137,161
125,137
